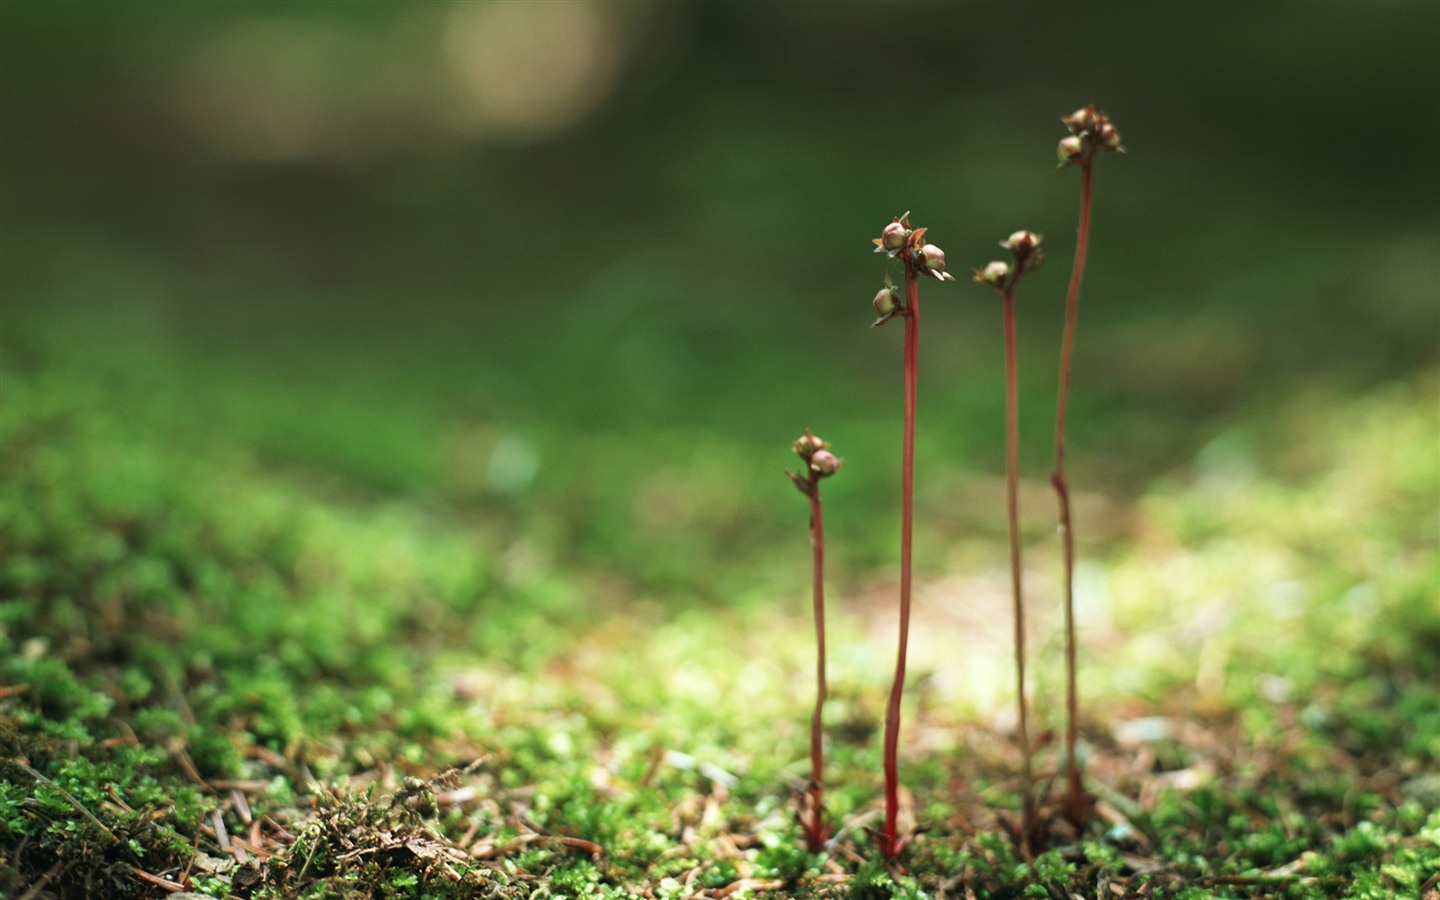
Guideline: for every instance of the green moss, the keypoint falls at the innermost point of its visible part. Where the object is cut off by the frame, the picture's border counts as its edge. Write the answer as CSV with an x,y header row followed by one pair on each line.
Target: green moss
x,y
190,632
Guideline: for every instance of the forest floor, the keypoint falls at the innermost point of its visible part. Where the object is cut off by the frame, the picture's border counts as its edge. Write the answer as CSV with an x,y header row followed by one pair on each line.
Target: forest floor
x,y
234,676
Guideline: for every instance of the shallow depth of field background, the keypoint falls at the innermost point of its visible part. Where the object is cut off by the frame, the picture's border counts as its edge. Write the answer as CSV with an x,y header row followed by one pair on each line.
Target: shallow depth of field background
x,y
580,271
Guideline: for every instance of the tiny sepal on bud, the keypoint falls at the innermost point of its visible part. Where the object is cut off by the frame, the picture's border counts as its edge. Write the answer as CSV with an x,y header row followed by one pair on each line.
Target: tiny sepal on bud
x,y
802,483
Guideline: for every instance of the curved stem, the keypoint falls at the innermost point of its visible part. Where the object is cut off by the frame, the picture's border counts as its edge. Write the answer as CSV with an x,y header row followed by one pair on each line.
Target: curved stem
x,y
1075,794
1012,481
815,829
907,491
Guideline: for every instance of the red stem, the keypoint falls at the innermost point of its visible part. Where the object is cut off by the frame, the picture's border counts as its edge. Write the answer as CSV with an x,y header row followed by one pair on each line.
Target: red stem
x,y
1075,793
1012,479
815,830
891,844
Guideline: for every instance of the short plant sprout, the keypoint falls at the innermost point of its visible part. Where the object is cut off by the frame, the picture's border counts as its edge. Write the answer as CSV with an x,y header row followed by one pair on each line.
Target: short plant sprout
x,y
819,463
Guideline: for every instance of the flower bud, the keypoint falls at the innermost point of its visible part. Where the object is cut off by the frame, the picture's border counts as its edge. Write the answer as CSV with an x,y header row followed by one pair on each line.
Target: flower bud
x,y
886,302
892,238
1071,149
994,273
934,259
824,463
1080,120
1021,243
1108,138
807,446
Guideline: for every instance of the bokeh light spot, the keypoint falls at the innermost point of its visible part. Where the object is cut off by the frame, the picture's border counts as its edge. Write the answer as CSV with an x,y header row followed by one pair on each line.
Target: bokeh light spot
x,y
531,69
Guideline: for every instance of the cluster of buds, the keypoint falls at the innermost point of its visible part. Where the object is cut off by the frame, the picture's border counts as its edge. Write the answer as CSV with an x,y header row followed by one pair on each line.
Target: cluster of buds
x,y
899,239
1024,246
819,462
1090,131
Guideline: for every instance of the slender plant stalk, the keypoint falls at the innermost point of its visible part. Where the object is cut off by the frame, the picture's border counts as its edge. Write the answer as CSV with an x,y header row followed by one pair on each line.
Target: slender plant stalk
x,y
1012,479
819,463
919,258
1075,795
815,830
1091,133
891,845
1004,278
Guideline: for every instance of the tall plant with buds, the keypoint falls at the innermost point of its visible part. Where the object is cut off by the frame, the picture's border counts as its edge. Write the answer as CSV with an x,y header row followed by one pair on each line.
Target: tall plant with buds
x,y
1091,134
819,463
919,258
1004,277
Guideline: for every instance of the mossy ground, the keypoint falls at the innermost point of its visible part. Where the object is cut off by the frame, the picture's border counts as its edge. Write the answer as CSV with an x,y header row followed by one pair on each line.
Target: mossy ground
x,y
241,676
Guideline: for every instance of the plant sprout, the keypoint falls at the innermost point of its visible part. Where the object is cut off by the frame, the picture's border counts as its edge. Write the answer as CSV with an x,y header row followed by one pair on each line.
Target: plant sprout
x,y
819,463
1004,277
919,258
1090,133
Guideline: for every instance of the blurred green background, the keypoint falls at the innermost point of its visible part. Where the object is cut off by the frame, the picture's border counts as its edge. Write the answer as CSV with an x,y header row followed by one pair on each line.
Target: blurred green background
x,y
583,270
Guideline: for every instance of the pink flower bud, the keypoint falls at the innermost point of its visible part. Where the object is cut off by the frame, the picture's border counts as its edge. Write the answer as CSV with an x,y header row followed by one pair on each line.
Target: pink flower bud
x,y
933,258
824,463
893,237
